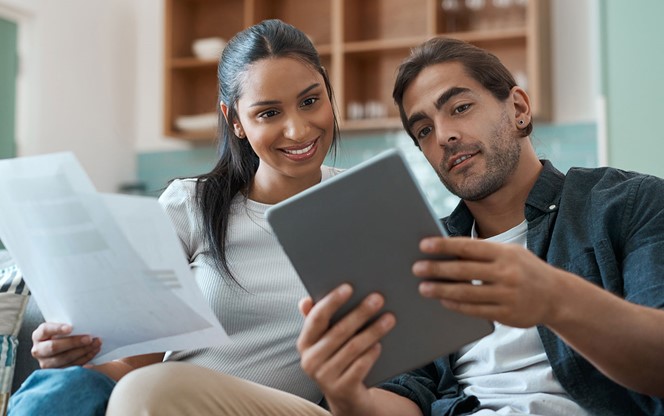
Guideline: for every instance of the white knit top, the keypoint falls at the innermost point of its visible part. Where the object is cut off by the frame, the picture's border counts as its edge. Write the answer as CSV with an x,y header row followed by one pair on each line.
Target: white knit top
x,y
262,321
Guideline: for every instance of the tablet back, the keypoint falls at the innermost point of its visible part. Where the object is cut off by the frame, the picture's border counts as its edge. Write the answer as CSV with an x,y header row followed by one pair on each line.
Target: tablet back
x,y
363,227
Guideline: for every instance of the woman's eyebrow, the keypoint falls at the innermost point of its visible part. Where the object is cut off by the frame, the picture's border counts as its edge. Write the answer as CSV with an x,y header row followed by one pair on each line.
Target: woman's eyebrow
x,y
273,102
309,88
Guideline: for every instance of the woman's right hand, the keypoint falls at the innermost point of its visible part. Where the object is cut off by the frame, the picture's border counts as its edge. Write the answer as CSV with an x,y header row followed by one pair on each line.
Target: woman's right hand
x,y
54,347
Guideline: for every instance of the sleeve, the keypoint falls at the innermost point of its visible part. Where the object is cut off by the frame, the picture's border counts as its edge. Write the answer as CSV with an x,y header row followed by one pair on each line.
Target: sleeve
x,y
179,203
434,389
643,263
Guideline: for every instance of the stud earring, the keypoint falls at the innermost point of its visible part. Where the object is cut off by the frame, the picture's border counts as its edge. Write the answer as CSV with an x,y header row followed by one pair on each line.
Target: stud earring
x,y
521,122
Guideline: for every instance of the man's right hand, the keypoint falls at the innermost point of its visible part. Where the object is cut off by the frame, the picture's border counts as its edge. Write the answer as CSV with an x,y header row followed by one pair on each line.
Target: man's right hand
x,y
54,346
338,357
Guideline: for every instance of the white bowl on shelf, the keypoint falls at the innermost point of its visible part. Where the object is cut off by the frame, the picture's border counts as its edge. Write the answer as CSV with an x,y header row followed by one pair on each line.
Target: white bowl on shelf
x,y
198,122
208,48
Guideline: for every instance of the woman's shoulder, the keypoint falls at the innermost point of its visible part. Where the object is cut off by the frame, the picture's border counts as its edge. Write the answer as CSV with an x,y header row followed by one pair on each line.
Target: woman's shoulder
x,y
329,172
178,191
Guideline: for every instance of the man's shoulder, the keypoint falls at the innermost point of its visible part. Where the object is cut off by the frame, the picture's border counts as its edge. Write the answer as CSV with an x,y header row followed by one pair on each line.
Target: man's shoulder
x,y
608,177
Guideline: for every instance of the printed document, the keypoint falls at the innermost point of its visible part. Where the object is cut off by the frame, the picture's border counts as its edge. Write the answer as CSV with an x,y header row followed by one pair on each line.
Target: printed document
x,y
110,265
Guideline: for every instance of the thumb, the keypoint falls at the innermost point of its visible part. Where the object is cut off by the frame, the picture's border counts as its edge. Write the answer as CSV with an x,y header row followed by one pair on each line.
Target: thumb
x,y
305,305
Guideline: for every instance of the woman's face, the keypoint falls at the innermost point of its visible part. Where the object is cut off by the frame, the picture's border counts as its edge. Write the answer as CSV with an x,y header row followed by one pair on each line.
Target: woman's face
x,y
286,114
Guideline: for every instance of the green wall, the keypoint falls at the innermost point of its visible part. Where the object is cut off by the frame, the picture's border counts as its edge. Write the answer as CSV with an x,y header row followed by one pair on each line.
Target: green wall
x,y
632,52
566,145
8,67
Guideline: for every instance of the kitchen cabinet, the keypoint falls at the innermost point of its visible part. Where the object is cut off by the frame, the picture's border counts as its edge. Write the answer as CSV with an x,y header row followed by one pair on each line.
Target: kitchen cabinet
x,y
361,43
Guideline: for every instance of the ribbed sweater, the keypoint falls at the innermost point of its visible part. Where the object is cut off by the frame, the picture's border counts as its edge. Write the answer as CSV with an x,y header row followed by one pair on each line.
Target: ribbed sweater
x,y
262,321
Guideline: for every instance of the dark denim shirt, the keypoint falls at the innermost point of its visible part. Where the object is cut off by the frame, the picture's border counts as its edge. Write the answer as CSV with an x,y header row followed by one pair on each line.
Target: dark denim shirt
x,y
605,225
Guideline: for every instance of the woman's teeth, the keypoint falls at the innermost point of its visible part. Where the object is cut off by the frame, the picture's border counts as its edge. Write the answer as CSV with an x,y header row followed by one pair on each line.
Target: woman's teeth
x,y
300,151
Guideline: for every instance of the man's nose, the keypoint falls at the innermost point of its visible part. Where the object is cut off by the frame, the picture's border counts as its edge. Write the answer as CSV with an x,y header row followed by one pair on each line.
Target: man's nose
x,y
446,133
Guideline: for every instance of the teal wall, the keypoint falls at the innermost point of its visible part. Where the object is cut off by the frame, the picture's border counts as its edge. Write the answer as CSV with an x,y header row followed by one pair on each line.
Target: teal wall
x,y
632,82
8,68
565,145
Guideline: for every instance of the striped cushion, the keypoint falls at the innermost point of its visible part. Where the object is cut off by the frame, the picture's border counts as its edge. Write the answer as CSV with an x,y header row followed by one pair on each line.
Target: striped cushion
x,y
13,299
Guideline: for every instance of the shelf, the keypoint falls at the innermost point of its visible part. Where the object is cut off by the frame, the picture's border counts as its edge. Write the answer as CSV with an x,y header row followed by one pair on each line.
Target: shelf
x,y
361,43
192,62
368,124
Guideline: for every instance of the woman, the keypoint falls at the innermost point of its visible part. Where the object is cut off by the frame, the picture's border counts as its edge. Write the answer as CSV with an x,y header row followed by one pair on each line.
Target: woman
x,y
277,124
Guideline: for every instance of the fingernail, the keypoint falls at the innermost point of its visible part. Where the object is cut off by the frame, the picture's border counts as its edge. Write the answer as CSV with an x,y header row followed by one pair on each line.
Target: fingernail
x,y
426,288
345,289
375,300
86,340
426,244
387,321
419,267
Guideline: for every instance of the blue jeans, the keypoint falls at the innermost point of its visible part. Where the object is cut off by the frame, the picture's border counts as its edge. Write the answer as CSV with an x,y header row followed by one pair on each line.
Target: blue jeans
x,y
70,391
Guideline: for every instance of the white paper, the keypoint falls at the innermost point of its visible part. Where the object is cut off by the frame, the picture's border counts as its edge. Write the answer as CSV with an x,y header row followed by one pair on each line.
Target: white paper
x,y
110,265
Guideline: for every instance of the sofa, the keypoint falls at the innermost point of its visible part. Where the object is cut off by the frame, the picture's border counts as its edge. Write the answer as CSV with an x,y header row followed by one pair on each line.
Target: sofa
x,y
19,316
25,363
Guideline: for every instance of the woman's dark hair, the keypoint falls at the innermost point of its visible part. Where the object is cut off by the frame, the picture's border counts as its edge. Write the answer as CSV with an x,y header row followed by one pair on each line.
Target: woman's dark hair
x,y
483,66
238,162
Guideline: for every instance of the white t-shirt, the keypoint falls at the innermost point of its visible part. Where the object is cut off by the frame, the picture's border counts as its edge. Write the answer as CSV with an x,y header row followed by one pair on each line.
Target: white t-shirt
x,y
508,370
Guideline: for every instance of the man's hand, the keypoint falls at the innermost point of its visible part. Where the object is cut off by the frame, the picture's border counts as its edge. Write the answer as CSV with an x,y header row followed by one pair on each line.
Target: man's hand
x,y
54,347
499,282
339,357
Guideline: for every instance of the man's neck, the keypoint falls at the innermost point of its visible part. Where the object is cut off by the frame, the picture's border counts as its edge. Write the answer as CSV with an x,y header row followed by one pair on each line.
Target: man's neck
x,y
504,209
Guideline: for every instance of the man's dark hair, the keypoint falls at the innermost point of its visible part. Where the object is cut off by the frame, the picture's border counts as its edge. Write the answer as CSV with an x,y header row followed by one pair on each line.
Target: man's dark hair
x,y
483,66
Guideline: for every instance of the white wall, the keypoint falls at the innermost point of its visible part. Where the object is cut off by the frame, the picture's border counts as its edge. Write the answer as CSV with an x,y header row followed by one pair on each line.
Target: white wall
x,y
150,79
78,83
575,60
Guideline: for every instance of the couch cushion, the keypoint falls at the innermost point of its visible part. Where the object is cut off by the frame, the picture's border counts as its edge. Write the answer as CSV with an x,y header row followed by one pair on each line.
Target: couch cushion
x,y
13,300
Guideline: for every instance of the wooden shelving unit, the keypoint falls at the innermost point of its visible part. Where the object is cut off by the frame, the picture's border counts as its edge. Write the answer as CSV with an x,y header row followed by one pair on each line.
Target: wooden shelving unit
x,y
361,44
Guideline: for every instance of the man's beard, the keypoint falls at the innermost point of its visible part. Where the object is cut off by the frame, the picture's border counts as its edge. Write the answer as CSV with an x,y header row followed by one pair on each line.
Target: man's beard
x,y
501,157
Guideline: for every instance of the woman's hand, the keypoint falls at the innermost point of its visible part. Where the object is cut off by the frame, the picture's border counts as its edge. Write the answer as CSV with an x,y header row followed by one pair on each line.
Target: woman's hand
x,y
54,347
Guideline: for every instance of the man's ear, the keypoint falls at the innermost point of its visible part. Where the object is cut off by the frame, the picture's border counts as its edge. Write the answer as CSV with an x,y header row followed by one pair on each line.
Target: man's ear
x,y
522,111
237,127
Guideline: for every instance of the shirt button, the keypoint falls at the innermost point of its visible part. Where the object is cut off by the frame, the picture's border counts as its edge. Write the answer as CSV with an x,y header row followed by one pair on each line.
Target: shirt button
x,y
552,207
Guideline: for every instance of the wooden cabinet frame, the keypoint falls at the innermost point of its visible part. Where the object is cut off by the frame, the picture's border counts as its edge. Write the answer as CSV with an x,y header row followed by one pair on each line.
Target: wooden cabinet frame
x,y
361,43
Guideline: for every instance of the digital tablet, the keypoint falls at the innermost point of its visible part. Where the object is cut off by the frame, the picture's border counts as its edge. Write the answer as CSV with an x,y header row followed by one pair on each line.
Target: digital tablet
x,y
364,227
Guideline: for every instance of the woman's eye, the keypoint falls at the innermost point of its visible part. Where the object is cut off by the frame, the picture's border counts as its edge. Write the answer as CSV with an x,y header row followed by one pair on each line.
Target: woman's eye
x,y
268,114
424,132
309,101
462,108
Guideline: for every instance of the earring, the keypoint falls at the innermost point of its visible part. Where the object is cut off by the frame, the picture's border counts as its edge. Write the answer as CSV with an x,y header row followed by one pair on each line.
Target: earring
x,y
521,122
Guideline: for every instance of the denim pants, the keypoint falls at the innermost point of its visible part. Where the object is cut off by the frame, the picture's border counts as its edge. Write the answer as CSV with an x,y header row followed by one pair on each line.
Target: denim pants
x,y
70,391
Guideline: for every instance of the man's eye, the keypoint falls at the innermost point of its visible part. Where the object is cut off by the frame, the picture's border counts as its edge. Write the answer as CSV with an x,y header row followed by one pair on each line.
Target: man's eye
x,y
424,132
268,114
462,108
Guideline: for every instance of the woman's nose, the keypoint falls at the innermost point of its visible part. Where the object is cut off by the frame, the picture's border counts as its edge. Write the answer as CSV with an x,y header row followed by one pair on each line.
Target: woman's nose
x,y
296,128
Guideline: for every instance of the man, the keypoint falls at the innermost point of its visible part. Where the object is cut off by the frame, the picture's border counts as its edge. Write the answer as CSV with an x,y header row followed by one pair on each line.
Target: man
x,y
577,296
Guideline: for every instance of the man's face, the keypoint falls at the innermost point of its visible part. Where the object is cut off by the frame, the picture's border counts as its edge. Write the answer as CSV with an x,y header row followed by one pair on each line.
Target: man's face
x,y
467,135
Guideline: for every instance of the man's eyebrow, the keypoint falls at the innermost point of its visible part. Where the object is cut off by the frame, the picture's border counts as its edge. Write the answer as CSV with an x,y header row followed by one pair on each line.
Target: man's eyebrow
x,y
440,102
447,95
273,102
414,119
